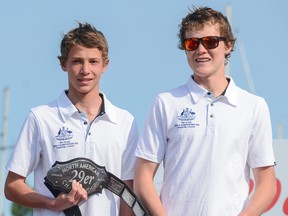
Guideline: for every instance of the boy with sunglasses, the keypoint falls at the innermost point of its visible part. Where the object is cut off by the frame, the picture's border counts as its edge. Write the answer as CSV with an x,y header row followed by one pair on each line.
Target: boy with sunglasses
x,y
208,133
82,122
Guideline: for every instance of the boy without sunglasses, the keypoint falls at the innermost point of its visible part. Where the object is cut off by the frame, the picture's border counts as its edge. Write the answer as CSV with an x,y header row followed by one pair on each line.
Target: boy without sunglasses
x,y
208,133
80,123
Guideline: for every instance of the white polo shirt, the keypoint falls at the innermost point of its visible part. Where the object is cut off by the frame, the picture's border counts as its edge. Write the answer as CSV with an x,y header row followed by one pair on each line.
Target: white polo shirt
x,y
207,146
59,132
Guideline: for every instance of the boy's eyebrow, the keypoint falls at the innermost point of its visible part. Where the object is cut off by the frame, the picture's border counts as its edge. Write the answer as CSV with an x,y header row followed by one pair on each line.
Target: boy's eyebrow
x,y
78,57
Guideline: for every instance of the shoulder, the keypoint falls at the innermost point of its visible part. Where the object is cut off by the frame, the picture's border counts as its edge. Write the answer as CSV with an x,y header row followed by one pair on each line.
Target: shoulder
x,y
45,108
122,112
240,96
61,106
250,98
173,94
116,113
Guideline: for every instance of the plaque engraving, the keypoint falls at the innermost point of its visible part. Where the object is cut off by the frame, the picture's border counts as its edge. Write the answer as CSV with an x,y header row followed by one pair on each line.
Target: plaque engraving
x,y
92,176
94,179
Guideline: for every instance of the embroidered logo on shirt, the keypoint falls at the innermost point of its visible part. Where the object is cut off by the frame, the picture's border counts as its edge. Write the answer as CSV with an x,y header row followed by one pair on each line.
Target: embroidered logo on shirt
x,y
64,134
64,137
186,117
187,114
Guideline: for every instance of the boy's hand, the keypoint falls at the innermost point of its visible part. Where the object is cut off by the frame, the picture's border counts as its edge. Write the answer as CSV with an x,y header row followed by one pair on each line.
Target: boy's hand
x,y
73,198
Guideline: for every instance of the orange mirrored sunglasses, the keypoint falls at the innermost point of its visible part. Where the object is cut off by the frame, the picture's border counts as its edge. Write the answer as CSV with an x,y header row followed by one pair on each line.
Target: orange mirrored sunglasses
x,y
210,42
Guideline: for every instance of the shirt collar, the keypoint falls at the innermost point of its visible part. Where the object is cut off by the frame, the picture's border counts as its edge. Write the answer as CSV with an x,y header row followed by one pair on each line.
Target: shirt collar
x,y
67,108
109,109
231,93
198,92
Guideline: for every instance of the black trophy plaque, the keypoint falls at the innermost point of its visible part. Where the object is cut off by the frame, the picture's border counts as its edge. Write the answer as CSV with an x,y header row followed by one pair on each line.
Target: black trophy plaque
x,y
94,179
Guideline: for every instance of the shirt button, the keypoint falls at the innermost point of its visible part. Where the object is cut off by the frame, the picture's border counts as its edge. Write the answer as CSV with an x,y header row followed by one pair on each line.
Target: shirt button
x,y
85,123
212,104
89,134
211,116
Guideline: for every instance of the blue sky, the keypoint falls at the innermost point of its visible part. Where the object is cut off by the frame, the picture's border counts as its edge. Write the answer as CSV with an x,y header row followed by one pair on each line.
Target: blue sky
x,y
144,58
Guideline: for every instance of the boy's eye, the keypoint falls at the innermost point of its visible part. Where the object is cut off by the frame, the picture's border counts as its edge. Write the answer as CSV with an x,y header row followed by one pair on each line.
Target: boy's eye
x,y
77,61
94,61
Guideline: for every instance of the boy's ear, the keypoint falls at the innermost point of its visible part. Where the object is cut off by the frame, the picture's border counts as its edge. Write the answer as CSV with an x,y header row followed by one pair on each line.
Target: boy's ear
x,y
63,65
105,65
106,62
228,47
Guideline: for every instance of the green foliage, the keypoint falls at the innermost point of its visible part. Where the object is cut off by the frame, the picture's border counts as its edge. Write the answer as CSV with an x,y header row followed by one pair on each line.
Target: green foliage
x,y
19,210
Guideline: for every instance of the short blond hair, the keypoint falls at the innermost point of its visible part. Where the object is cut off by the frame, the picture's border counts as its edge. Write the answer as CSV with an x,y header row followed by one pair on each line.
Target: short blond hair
x,y
85,35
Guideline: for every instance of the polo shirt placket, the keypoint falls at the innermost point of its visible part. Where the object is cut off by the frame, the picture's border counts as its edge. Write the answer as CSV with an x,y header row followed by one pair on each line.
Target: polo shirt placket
x,y
210,114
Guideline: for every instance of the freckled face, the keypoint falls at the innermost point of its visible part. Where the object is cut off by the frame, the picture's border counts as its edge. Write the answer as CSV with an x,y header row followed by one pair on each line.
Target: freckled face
x,y
207,62
84,67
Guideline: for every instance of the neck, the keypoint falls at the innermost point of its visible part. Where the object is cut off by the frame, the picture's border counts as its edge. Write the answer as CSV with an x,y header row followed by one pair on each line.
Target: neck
x,y
88,103
216,86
